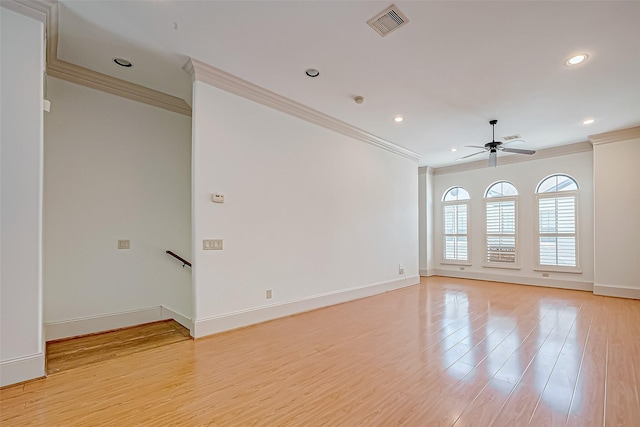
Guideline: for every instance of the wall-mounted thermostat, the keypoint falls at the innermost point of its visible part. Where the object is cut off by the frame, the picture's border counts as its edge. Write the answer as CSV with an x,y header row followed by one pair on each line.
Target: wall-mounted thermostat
x,y
217,198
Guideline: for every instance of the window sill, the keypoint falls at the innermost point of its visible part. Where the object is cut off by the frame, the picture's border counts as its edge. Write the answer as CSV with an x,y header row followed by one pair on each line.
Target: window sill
x,y
551,269
502,266
448,262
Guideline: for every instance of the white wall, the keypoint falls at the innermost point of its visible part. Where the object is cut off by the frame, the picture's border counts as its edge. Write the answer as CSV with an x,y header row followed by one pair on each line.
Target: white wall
x,y
617,218
21,347
315,216
114,169
525,176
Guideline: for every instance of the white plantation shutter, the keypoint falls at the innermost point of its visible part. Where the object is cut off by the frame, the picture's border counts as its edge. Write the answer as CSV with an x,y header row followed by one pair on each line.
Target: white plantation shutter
x,y
557,197
455,232
557,230
501,231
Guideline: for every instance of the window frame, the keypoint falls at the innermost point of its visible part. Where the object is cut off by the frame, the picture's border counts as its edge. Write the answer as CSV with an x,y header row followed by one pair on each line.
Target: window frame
x,y
553,195
445,204
515,199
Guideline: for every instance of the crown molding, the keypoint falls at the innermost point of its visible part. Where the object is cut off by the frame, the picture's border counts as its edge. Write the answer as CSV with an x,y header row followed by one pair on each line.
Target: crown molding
x,y
561,150
38,10
222,80
89,78
615,136
46,11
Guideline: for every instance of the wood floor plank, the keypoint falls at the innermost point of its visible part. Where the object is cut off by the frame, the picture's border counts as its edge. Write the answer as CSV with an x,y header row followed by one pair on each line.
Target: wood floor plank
x,y
447,352
69,353
589,393
512,376
622,407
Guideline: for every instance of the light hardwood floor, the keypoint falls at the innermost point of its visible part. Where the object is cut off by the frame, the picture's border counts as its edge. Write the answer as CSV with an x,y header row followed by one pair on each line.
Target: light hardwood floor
x,y
446,352
71,353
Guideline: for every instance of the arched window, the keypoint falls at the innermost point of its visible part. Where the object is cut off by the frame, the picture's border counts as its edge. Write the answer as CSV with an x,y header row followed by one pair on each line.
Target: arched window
x,y
455,194
501,189
501,248
557,197
455,204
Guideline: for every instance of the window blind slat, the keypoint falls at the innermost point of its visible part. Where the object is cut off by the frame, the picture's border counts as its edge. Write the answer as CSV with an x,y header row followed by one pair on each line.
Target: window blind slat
x,y
500,230
455,230
557,230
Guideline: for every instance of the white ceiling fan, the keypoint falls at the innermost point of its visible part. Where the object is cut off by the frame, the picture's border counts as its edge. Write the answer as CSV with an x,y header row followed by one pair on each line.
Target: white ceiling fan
x,y
494,146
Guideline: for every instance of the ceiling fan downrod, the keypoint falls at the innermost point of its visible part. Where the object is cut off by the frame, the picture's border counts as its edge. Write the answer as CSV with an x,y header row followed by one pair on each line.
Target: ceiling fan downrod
x,y
493,124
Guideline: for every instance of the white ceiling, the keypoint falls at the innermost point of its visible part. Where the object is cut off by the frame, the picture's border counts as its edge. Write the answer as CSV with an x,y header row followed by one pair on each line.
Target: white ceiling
x,y
451,69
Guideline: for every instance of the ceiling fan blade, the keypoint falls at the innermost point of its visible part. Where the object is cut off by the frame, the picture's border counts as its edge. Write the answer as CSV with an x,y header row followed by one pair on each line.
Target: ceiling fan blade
x,y
475,146
470,155
493,159
517,150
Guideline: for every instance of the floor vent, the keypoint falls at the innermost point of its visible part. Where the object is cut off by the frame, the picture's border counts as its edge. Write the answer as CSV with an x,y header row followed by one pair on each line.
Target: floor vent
x,y
387,21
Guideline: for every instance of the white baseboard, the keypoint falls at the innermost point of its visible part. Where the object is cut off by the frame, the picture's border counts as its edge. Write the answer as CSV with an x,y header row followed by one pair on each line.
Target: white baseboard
x,y
427,273
167,313
518,280
616,291
239,319
94,324
21,369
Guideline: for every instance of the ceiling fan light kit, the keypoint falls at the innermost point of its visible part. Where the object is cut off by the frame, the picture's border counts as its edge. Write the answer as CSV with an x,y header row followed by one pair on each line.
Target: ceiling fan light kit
x,y
494,146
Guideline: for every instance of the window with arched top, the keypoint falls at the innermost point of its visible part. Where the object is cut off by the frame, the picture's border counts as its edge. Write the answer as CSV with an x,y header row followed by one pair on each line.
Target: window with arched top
x,y
455,194
501,233
501,189
557,199
455,203
557,183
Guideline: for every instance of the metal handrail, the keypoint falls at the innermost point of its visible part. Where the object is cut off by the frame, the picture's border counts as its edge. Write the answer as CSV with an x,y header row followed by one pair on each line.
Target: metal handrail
x,y
184,261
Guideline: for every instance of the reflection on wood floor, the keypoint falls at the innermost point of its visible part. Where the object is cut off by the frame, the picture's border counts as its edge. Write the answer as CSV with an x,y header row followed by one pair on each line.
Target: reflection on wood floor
x,y
81,351
446,352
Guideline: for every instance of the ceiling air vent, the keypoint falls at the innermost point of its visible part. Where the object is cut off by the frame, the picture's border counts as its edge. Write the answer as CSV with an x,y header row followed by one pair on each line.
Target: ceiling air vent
x,y
388,20
512,137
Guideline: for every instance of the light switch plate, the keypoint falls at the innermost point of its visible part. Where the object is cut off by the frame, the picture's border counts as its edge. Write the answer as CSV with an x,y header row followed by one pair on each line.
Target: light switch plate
x,y
212,244
124,244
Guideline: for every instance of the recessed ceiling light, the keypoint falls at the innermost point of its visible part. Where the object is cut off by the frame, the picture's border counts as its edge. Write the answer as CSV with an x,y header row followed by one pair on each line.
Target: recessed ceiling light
x,y
123,62
312,72
588,121
453,150
575,60
398,119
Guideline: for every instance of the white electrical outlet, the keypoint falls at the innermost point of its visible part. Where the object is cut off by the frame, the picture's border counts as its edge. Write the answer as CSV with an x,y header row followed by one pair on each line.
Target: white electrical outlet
x,y
269,294
217,198
400,269
212,244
